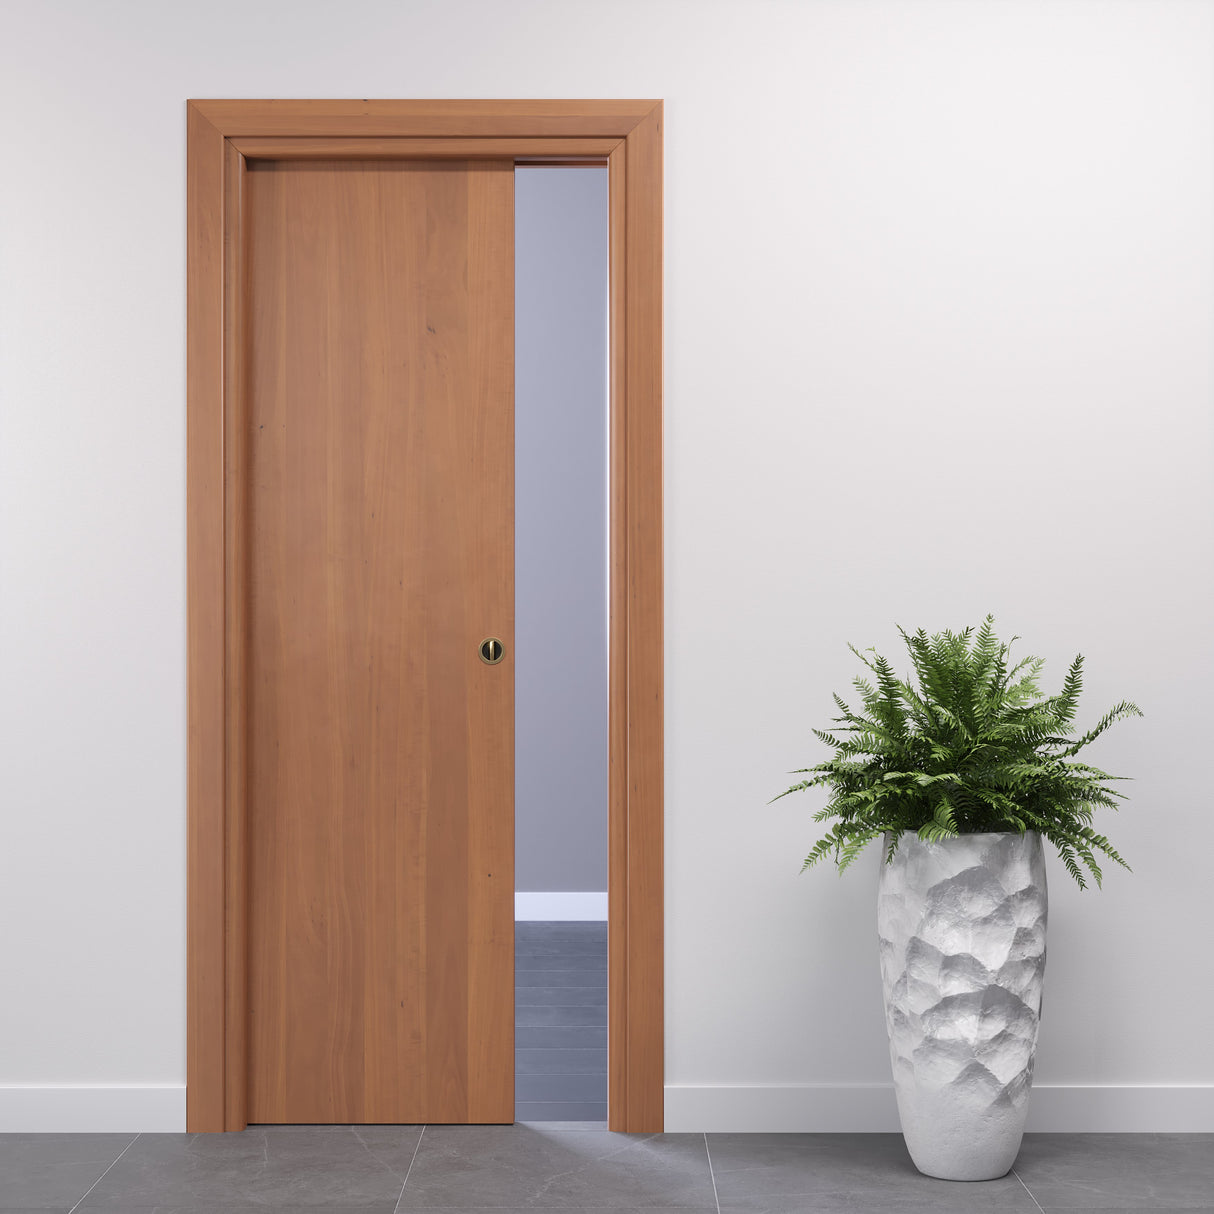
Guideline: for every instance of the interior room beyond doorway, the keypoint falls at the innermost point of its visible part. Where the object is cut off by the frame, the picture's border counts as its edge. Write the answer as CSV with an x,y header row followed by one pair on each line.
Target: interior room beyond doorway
x,y
561,620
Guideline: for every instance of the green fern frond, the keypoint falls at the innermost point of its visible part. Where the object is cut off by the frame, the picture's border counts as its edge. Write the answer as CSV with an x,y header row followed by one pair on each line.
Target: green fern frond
x,y
970,745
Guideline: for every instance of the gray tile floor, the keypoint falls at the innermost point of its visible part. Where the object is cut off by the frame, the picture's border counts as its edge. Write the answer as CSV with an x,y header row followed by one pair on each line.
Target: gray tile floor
x,y
560,1034
580,1168
560,1156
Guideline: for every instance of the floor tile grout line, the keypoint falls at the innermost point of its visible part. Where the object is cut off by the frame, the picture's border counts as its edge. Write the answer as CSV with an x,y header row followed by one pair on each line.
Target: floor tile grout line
x,y
105,1173
408,1171
712,1175
1028,1191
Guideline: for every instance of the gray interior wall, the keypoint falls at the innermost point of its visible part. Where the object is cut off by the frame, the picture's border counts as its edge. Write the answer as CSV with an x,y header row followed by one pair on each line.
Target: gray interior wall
x,y
561,527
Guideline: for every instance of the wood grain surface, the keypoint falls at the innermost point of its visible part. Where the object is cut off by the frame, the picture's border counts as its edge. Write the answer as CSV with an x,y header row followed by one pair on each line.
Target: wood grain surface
x,y
375,117
637,1056
380,749
236,566
337,147
205,767
644,575
222,511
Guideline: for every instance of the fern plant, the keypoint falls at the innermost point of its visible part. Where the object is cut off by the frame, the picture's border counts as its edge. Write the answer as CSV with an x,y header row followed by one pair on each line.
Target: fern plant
x,y
972,748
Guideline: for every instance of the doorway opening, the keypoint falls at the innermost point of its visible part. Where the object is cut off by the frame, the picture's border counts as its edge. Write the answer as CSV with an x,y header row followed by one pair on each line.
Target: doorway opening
x,y
562,456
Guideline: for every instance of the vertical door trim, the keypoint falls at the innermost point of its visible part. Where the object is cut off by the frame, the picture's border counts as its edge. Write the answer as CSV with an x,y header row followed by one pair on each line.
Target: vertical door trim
x,y
221,135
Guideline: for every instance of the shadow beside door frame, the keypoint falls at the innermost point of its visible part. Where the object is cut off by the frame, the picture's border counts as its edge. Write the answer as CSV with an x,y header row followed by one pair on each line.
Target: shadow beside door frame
x,y
221,137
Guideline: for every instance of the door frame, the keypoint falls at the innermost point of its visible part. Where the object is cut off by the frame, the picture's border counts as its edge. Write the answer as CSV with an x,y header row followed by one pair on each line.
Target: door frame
x,y
221,137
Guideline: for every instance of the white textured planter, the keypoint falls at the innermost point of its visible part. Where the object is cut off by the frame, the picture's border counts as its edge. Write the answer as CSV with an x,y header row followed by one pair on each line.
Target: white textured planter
x,y
962,929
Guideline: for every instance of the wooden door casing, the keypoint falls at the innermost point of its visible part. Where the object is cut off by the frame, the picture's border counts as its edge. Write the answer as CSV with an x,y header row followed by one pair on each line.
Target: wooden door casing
x,y
379,748
224,139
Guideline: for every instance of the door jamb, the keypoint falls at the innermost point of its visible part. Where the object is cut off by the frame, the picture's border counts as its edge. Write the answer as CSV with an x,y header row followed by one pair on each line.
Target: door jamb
x,y
221,137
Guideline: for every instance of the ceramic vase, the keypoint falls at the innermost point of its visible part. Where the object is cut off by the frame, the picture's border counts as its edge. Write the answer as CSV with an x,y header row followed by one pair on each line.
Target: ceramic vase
x,y
962,930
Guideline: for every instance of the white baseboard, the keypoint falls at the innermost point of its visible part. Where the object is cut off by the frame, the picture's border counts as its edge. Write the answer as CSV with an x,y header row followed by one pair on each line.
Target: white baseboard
x,y
92,1110
1133,1109
724,1108
838,1108
871,1108
566,906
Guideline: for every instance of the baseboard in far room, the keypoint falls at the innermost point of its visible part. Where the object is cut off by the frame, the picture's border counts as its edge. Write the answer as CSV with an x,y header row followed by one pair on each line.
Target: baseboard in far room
x,y
120,1109
561,906
870,1108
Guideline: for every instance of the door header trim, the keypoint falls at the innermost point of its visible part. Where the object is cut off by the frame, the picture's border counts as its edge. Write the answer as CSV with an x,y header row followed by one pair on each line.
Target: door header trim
x,y
513,119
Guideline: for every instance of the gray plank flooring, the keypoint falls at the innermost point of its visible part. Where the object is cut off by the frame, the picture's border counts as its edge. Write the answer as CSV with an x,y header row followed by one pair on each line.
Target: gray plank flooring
x,y
560,1060
579,1168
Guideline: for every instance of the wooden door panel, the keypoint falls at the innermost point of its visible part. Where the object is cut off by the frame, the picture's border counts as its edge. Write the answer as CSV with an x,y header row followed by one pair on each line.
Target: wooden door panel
x,y
380,352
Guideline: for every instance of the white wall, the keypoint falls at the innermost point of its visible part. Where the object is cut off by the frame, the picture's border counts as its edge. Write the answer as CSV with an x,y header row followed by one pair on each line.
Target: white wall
x,y
560,536
938,341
